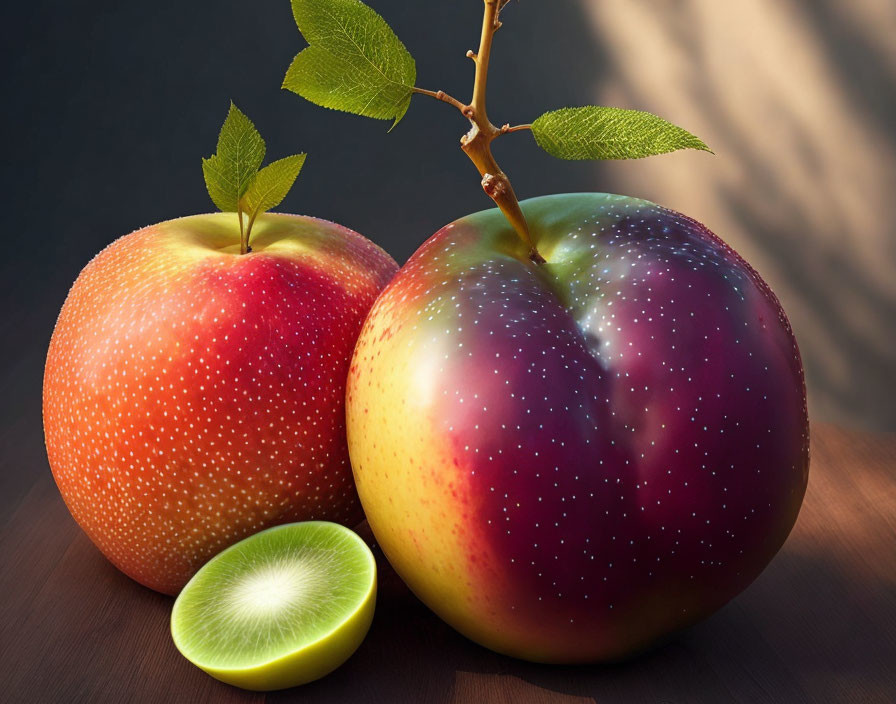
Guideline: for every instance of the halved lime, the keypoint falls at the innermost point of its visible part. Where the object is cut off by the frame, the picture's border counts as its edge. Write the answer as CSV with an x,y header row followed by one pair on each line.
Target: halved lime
x,y
283,607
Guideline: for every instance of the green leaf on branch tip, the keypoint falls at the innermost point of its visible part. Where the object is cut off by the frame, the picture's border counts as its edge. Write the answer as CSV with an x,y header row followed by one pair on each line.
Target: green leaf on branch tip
x,y
271,184
354,63
240,153
609,133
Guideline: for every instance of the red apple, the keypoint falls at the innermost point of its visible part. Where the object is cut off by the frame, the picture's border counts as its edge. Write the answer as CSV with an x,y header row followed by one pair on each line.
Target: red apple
x,y
569,462
194,395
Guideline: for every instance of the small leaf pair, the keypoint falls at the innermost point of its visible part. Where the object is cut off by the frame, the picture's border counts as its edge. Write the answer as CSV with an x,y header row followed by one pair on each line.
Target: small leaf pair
x,y
232,174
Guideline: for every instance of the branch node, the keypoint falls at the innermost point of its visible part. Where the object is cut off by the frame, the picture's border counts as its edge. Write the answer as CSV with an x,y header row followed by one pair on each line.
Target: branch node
x,y
472,55
494,186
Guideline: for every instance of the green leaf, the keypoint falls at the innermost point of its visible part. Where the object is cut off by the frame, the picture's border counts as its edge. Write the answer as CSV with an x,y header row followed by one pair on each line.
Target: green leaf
x,y
609,133
271,184
354,63
229,172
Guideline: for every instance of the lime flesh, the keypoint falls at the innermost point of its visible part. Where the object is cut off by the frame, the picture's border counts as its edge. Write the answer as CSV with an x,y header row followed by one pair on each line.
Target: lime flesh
x,y
283,607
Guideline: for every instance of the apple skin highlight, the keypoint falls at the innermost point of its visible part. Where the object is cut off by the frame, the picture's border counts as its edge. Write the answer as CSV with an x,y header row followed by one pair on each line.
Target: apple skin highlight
x,y
568,463
194,396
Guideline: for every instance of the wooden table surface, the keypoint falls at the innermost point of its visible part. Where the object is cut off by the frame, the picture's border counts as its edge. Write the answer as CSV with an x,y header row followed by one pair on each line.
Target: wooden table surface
x,y
819,625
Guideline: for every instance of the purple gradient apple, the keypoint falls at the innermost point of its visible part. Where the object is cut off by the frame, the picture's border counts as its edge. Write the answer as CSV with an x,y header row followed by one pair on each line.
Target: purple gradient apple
x,y
570,462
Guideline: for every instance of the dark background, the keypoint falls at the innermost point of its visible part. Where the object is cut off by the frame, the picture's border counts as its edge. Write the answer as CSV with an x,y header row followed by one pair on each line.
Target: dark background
x,y
109,106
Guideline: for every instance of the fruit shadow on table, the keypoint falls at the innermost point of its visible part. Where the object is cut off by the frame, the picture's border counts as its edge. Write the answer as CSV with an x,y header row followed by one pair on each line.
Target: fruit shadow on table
x,y
755,649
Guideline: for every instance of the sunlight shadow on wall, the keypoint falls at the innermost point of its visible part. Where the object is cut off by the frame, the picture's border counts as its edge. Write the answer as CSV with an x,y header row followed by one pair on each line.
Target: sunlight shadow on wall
x,y
798,100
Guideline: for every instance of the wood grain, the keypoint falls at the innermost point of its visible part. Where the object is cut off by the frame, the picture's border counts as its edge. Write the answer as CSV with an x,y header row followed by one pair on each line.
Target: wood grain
x,y
818,626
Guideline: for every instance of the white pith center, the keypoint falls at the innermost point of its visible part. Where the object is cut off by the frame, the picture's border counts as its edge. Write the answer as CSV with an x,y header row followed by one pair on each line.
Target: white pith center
x,y
269,589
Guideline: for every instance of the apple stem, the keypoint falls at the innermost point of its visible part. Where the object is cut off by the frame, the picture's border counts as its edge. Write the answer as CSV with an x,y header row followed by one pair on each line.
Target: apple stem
x,y
244,236
477,143
245,230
